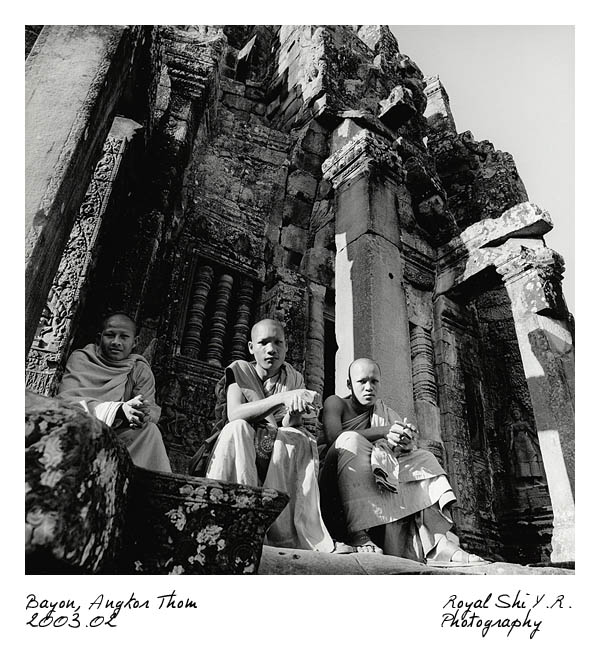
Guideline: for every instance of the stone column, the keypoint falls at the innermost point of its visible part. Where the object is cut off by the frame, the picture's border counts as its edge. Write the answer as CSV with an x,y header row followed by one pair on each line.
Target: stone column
x,y
425,391
532,277
55,330
371,317
241,329
315,340
192,334
218,326
74,79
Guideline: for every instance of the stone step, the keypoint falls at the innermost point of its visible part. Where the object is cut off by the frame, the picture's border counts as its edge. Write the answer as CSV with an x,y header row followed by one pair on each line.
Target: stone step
x,y
283,561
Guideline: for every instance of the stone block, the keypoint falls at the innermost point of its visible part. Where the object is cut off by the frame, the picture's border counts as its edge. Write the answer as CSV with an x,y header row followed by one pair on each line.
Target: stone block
x,y
302,185
294,238
76,486
180,524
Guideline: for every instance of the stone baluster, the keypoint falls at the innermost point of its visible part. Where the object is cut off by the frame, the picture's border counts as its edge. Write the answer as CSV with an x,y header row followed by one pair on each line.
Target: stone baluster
x,y
421,352
315,342
190,346
425,391
218,325
532,277
241,329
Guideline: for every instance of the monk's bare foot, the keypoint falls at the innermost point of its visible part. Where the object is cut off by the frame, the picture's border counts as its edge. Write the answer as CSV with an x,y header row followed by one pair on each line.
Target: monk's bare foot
x,y
462,557
448,553
363,543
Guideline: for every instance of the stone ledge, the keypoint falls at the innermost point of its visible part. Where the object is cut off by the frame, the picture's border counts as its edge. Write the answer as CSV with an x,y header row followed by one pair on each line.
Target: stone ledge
x,y
284,561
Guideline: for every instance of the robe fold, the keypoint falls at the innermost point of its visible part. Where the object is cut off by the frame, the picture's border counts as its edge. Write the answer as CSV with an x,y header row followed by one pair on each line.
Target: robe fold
x,y
411,492
286,456
100,387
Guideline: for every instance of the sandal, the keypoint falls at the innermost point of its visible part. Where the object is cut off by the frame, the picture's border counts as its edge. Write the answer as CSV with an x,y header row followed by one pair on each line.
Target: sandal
x,y
362,543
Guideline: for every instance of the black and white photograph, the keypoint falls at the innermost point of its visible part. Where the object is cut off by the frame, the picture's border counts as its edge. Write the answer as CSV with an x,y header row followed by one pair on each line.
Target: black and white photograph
x,y
300,301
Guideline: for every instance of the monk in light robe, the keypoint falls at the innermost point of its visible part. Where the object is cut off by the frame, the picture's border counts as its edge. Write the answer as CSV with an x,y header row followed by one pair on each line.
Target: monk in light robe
x,y
117,386
384,480
259,439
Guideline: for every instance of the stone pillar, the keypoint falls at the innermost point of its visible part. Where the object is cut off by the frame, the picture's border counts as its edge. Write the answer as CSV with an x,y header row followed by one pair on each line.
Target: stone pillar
x,y
55,330
425,391
190,346
74,79
532,277
371,317
218,326
315,340
241,329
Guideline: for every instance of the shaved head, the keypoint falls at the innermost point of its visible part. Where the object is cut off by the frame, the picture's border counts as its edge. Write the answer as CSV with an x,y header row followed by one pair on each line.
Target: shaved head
x,y
364,378
266,322
362,363
120,315
268,347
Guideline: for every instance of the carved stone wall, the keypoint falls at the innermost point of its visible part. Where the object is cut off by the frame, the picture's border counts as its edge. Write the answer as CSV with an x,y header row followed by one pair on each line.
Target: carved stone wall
x,y
313,175
47,356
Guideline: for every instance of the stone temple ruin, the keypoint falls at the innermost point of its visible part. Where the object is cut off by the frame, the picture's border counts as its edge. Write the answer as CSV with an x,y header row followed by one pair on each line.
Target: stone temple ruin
x,y
201,177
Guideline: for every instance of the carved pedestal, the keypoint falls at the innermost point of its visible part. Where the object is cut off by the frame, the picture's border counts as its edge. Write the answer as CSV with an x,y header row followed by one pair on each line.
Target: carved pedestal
x,y
183,525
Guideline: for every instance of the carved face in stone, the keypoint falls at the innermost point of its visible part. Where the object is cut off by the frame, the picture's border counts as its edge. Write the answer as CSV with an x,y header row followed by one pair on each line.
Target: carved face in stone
x,y
268,347
118,338
364,380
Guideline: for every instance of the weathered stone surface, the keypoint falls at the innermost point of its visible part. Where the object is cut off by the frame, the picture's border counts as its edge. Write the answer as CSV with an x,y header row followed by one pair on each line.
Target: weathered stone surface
x,y
66,126
180,525
279,561
76,485
320,179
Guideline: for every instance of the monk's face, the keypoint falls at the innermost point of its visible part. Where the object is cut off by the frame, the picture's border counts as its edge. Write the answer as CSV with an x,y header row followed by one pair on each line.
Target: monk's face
x,y
364,381
268,346
117,339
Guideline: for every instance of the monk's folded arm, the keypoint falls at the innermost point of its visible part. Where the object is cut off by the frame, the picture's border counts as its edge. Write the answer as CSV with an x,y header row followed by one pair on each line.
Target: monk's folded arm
x,y
374,433
333,412
238,409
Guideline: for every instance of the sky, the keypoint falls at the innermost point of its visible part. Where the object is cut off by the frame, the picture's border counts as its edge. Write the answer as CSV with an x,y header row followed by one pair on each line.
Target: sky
x,y
513,85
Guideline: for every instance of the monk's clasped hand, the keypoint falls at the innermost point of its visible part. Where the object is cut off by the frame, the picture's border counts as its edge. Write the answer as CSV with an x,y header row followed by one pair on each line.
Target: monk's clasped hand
x,y
401,436
136,411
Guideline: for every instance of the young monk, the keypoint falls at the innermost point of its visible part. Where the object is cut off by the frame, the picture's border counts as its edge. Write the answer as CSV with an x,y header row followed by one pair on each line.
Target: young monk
x,y
384,479
260,440
117,386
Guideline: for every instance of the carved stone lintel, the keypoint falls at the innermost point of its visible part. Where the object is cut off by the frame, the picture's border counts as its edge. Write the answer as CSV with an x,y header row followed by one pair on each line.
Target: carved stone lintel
x,y
218,327
193,330
363,154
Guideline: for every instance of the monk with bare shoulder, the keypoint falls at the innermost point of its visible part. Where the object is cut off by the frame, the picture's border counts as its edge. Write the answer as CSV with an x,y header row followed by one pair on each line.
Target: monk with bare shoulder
x,y
259,439
388,487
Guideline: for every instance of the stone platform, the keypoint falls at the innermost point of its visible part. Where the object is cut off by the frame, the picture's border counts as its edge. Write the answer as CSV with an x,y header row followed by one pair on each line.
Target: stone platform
x,y
280,561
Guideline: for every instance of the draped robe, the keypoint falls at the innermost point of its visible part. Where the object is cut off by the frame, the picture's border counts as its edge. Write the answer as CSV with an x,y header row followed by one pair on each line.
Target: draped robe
x,y
410,494
101,387
290,453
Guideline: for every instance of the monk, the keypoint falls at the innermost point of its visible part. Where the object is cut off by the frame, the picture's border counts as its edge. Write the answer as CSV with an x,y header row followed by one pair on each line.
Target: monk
x,y
259,438
117,386
384,480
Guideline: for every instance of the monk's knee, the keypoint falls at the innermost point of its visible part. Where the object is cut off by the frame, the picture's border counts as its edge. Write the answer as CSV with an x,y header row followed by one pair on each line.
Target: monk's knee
x,y
235,429
349,440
